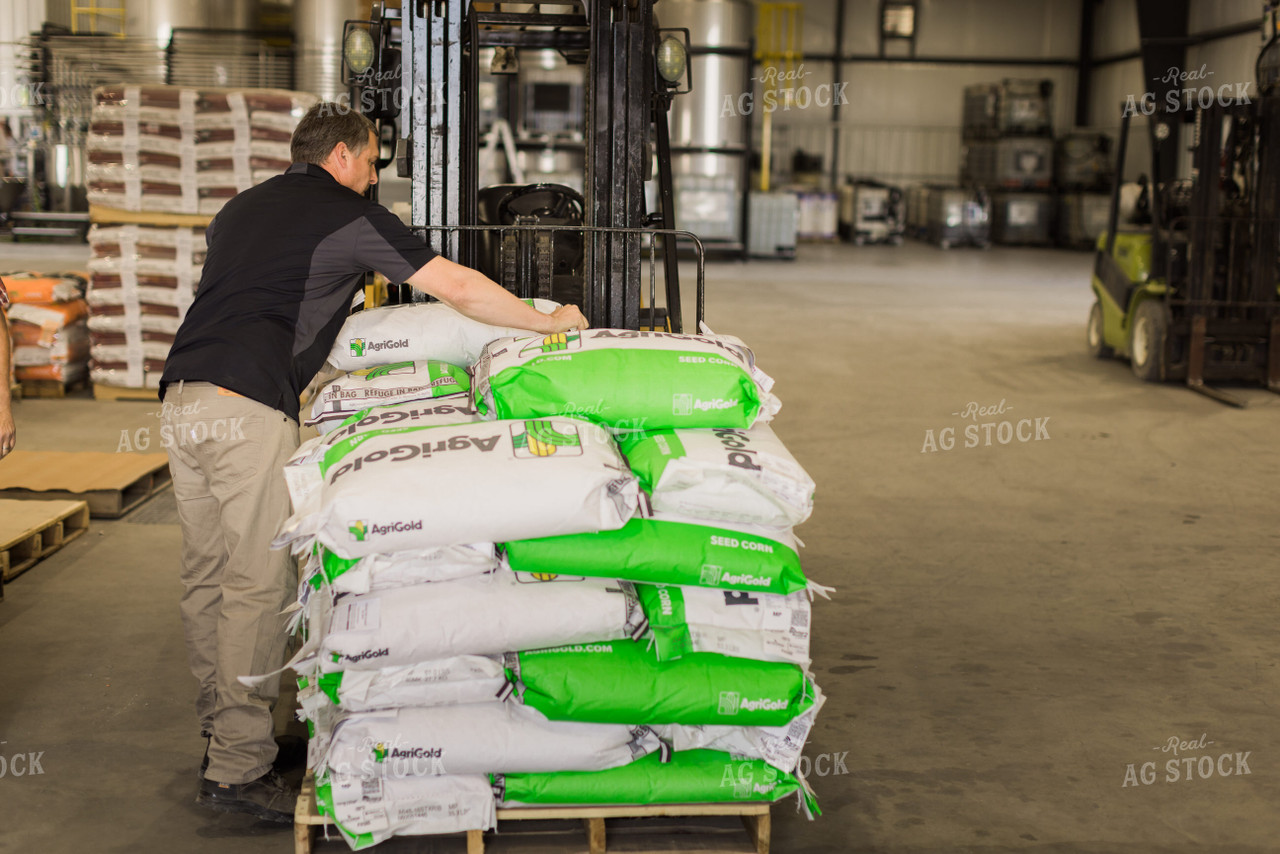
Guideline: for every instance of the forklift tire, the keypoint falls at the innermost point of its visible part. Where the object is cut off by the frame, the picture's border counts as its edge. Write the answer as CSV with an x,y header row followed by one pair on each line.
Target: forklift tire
x,y
1097,346
1146,341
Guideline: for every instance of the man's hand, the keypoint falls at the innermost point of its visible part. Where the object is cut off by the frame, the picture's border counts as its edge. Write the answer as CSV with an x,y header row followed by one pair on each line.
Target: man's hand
x,y
8,433
480,298
566,318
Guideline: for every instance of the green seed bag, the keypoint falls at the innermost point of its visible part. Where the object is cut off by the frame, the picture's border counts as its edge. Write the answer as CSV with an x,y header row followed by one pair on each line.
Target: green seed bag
x,y
625,379
660,548
623,682
695,776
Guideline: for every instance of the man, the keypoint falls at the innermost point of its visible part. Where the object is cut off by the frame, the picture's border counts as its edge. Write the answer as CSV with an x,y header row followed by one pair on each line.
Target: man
x,y
8,433
284,261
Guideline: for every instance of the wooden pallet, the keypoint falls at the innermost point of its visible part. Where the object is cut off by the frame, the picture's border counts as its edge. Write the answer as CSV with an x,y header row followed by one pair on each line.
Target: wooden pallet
x,y
50,388
755,818
115,392
103,215
15,390
111,484
32,530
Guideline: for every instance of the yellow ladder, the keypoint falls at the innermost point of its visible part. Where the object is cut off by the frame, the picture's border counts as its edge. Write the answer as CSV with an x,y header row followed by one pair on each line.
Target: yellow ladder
x,y
779,28
105,18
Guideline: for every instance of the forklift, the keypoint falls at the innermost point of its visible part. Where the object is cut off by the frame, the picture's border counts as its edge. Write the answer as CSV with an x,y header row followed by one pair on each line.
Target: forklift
x,y
1187,289
416,73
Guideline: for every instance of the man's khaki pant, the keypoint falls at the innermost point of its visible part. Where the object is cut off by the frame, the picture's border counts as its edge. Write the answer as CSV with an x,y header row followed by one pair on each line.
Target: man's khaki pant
x,y
226,454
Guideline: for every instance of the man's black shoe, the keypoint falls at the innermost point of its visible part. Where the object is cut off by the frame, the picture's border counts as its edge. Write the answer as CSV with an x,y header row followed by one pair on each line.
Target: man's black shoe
x,y
291,753
269,797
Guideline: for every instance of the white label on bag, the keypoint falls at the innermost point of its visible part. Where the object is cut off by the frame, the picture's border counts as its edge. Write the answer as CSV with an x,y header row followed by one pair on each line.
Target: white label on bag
x,y
359,616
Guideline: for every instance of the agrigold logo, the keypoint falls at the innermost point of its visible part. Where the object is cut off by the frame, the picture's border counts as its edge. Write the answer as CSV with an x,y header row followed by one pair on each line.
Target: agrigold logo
x,y
360,347
358,529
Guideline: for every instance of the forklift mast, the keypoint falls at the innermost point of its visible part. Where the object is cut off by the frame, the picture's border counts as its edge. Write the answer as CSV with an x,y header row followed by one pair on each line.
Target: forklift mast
x,y
626,103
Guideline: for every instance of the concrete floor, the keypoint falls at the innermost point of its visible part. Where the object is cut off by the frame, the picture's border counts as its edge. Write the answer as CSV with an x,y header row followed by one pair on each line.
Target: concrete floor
x,y
1015,624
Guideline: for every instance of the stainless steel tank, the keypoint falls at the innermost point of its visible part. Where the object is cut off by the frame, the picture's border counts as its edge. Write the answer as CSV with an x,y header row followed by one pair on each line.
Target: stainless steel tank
x,y
709,145
157,19
317,30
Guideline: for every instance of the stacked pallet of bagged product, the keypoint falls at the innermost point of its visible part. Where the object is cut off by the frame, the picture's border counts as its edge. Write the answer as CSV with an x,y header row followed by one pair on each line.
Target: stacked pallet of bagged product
x,y
47,322
722,673
142,280
174,149
408,611
435,676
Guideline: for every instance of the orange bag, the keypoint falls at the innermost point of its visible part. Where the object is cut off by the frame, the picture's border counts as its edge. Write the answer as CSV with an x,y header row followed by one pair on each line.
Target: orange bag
x,y
29,287
37,325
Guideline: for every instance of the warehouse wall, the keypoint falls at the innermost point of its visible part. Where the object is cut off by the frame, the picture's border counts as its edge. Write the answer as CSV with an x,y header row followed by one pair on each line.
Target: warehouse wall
x,y
902,121
1223,61
1231,60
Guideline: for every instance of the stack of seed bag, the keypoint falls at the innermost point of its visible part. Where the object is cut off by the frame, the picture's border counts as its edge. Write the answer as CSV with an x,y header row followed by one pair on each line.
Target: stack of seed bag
x,y
722,674
143,280
176,149
47,321
406,609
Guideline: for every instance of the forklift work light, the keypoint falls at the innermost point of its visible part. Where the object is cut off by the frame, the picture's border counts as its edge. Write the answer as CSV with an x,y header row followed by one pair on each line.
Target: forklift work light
x,y
672,58
357,50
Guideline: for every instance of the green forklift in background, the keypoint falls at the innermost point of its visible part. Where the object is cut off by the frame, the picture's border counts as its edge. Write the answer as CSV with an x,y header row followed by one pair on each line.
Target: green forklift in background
x,y
1187,288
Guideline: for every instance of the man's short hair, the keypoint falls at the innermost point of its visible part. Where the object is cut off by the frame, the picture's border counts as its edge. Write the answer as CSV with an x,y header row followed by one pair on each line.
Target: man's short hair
x,y
324,126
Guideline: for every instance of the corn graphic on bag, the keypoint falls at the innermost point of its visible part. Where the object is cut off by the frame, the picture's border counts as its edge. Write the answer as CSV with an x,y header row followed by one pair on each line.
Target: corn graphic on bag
x,y
622,682
624,379
367,811
721,474
660,548
764,626
501,737
428,487
379,336
400,382
691,777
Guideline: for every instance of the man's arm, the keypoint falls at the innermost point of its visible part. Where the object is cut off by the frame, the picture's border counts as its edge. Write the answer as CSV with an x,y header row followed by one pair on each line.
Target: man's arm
x,y
480,298
8,433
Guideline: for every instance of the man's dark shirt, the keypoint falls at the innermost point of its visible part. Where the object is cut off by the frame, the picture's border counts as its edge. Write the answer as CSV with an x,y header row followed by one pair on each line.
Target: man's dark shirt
x,y
285,260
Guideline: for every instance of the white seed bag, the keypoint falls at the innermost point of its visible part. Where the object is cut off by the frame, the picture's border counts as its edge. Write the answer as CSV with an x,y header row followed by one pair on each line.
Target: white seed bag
x,y
478,739
779,746
378,336
452,681
721,474
450,409
401,382
401,569
416,488
762,626
488,615
370,810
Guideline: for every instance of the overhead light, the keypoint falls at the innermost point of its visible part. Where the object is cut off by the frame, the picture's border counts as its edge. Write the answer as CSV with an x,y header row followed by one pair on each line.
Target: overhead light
x,y
357,50
672,60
